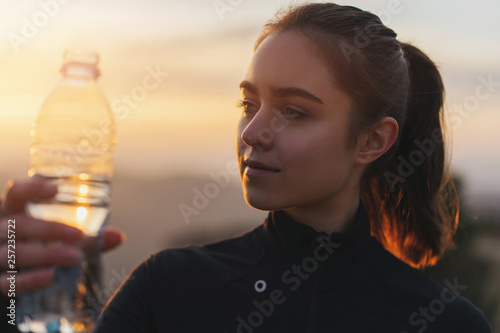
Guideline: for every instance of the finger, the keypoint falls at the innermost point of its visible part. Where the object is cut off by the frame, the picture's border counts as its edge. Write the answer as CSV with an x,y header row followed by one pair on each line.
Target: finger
x,y
18,193
29,254
34,229
27,281
112,238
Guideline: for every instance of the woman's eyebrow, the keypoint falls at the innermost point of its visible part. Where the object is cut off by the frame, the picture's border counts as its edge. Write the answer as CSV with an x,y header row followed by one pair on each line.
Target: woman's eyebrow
x,y
248,86
283,91
294,91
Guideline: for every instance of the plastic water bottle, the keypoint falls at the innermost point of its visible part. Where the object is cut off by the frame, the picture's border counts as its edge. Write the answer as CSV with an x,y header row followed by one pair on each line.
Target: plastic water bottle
x,y
73,140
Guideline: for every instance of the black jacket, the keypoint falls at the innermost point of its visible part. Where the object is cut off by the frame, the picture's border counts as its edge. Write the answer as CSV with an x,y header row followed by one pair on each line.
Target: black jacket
x,y
285,277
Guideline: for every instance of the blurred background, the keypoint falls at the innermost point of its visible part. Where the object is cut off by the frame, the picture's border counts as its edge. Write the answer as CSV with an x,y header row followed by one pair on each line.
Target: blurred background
x,y
174,139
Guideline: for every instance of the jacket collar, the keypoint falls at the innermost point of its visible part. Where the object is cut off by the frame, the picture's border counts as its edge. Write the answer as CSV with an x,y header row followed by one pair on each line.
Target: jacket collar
x,y
298,239
290,242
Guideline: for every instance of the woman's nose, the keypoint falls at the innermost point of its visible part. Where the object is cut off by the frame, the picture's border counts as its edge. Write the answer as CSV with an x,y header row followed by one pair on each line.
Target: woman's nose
x,y
258,133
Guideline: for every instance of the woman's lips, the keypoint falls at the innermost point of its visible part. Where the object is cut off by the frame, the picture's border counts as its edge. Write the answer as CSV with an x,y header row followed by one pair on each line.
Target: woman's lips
x,y
257,168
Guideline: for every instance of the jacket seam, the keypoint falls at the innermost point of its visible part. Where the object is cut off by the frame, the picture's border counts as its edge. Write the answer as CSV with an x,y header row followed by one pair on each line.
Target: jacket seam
x,y
383,282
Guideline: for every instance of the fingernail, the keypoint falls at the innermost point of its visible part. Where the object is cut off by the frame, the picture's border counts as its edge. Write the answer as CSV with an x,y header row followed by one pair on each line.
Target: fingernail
x,y
74,233
123,236
49,188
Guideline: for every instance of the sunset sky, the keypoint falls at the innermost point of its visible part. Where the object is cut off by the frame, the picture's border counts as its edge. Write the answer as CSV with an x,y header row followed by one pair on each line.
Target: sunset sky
x,y
187,123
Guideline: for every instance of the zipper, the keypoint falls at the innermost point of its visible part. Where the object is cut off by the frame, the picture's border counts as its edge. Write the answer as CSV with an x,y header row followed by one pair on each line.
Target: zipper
x,y
315,287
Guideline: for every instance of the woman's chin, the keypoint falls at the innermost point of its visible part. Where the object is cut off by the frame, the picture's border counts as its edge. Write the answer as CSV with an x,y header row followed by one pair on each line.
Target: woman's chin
x,y
263,203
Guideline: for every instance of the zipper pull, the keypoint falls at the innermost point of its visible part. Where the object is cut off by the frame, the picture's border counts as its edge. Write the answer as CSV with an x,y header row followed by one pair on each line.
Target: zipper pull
x,y
323,241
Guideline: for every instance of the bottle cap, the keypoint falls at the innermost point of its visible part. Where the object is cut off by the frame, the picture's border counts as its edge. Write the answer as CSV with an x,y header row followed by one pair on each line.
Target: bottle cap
x,y
85,59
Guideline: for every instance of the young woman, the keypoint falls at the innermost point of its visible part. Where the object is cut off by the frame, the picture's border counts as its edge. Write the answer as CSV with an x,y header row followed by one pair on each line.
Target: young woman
x,y
340,139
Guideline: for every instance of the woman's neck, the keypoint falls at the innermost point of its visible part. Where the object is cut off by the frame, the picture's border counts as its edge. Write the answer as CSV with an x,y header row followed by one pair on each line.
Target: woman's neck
x,y
329,217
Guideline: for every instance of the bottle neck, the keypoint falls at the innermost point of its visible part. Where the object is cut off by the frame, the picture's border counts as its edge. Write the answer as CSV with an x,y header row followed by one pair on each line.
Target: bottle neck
x,y
80,71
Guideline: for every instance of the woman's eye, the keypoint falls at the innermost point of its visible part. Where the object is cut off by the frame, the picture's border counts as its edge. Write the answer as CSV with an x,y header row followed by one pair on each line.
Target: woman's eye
x,y
246,106
291,113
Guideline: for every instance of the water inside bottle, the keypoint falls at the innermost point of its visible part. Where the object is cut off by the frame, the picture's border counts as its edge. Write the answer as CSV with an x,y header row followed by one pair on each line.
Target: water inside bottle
x,y
82,201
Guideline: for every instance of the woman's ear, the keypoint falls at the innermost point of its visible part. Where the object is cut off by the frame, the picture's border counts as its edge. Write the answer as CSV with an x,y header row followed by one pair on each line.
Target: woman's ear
x,y
373,144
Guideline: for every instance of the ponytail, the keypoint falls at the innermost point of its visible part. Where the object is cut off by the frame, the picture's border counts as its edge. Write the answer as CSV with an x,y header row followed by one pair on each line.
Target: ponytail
x,y
414,205
408,192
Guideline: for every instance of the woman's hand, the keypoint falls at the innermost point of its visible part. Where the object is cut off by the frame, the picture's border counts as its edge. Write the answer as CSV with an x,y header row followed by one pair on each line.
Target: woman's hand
x,y
39,245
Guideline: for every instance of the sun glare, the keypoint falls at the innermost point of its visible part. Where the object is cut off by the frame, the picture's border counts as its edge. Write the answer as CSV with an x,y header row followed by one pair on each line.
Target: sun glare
x,y
81,213
84,190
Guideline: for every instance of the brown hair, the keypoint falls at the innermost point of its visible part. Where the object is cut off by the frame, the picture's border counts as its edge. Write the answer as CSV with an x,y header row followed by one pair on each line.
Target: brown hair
x,y
407,192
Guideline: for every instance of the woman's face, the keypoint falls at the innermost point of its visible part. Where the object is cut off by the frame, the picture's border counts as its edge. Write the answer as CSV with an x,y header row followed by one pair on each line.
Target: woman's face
x,y
292,135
